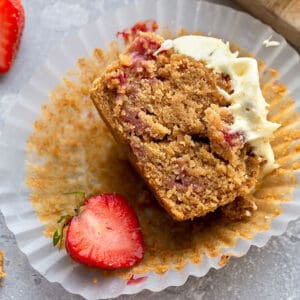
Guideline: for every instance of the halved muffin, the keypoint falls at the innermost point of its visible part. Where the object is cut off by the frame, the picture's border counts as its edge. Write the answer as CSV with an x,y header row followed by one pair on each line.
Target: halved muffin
x,y
173,115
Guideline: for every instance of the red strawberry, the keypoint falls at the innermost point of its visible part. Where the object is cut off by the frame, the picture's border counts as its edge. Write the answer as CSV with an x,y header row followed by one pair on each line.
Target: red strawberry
x,y
12,20
105,234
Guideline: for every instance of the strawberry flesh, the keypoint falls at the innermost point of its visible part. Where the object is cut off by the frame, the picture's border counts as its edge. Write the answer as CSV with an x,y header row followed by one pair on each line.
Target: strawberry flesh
x,y
140,26
106,234
143,48
233,138
12,19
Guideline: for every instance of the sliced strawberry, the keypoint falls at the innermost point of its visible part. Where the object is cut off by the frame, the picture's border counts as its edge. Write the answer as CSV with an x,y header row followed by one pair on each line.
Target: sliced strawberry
x,y
12,20
106,234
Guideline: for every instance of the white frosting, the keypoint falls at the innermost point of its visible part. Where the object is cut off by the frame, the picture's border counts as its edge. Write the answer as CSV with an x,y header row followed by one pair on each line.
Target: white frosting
x,y
166,45
269,43
248,105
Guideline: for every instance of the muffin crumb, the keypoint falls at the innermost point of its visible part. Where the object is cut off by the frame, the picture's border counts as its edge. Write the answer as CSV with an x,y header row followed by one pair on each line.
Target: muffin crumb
x,y
168,114
95,280
240,209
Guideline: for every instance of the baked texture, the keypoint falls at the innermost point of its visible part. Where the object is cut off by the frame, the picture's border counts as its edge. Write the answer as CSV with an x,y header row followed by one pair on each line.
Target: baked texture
x,y
166,111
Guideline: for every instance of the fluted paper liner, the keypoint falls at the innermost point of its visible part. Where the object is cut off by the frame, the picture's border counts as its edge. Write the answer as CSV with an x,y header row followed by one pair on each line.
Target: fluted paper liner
x,y
69,148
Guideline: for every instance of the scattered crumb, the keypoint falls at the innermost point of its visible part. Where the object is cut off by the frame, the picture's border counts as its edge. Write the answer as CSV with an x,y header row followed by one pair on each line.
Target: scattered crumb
x,y
277,212
224,260
269,43
95,280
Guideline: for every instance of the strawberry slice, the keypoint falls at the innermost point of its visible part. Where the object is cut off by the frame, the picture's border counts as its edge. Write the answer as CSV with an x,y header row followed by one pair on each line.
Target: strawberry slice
x,y
12,20
105,234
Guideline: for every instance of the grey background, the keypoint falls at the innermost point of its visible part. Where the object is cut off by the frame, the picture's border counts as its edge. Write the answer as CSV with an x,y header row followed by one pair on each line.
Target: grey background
x,y
272,272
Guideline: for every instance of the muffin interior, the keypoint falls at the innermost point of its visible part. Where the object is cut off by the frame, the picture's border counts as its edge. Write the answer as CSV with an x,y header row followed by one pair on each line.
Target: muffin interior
x,y
169,111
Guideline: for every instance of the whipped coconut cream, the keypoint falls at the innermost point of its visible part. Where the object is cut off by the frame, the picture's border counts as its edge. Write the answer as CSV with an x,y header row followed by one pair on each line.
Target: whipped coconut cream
x,y
248,105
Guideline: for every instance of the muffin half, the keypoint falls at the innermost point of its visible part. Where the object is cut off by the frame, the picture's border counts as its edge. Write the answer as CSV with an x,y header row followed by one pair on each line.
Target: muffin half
x,y
191,118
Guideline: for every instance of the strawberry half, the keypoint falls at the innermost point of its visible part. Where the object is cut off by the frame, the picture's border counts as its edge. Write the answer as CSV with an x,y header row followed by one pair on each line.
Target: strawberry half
x,y
105,234
12,19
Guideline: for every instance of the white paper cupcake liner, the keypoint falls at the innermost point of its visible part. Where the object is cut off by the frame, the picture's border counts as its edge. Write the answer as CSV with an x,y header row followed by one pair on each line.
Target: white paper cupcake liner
x,y
210,19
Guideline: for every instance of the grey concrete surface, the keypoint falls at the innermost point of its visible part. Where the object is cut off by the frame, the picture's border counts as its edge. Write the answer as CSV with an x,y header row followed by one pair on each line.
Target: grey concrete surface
x,y
272,272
